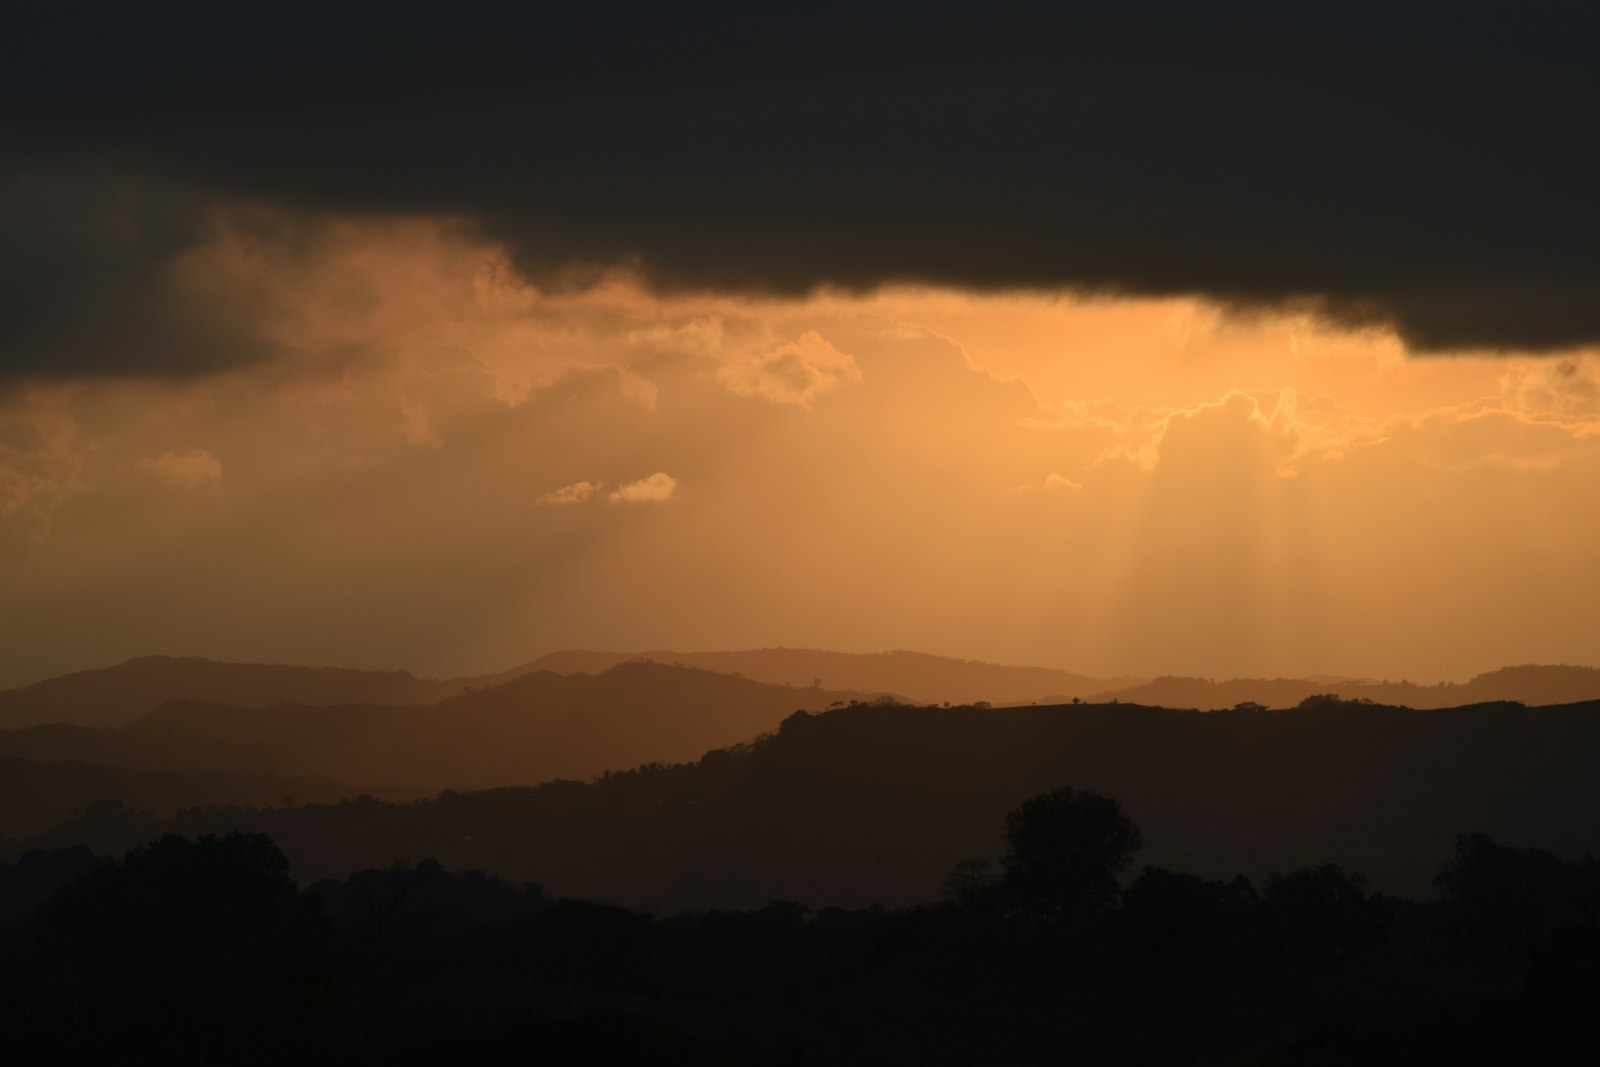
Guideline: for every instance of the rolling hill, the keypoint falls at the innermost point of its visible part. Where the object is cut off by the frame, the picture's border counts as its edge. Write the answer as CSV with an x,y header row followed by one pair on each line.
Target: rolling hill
x,y
875,804
115,696
534,728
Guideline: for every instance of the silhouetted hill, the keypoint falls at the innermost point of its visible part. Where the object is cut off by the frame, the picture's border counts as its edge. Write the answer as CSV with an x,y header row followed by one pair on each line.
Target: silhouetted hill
x,y
537,727
874,804
114,696
1527,684
917,676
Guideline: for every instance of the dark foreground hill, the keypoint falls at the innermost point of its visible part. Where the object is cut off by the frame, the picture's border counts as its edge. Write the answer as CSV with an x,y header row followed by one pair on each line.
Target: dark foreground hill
x,y
535,728
875,804
206,951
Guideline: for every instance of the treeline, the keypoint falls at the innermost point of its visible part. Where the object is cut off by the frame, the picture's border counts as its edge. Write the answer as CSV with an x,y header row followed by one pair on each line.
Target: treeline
x,y
207,951
1530,684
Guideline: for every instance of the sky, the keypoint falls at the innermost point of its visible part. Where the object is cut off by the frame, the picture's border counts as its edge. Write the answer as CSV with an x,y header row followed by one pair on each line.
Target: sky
x,y
1118,338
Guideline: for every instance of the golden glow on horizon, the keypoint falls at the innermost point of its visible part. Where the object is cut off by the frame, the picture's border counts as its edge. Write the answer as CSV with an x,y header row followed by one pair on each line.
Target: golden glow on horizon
x,y
450,470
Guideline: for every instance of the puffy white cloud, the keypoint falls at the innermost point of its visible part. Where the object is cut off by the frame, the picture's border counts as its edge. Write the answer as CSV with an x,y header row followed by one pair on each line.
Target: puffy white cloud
x,y
576,493
654,489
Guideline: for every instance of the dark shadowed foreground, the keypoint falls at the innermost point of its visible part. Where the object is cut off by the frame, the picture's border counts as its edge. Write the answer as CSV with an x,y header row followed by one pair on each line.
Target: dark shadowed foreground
x,y
206,951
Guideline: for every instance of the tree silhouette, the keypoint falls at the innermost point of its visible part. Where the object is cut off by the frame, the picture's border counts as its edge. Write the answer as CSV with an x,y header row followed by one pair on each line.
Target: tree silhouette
x,y
222,899
1509,898
1064,851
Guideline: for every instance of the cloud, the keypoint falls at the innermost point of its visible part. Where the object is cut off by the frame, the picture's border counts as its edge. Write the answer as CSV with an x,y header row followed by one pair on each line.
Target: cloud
x,y
1567,389
1375,164
183,470
576,493
1276,430
654,489
1054,483
1257,511
794,373
97,277
42,459
702,335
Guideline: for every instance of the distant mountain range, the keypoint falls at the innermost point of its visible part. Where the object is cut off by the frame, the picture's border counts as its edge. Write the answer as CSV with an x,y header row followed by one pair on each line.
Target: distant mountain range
x,y
117,695
534,728
927,679
917,676
1532,685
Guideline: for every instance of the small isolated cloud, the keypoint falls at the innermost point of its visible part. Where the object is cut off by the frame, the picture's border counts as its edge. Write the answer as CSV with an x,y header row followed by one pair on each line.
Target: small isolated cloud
x,y
183,470
654,489
794,373
576,493
658,487
1053,483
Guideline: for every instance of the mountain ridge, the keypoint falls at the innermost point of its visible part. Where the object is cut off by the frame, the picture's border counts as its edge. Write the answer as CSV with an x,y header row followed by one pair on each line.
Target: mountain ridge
x,y
538,726
1533,684
120,693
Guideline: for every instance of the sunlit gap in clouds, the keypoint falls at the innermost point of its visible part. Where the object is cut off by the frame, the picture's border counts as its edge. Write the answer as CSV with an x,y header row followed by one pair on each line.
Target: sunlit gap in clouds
x,y
440,464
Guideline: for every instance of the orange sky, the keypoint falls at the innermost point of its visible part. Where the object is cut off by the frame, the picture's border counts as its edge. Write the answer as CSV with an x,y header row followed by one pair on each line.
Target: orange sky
x,y
448,470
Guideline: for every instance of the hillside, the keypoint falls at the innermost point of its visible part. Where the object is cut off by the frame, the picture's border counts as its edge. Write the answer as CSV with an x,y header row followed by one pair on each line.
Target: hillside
x,y
874,804
115,696
535,728
35,794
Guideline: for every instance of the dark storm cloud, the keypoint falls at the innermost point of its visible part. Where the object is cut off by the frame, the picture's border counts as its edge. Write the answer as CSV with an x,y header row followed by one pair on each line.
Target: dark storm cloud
x,y
89,285
1430,167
